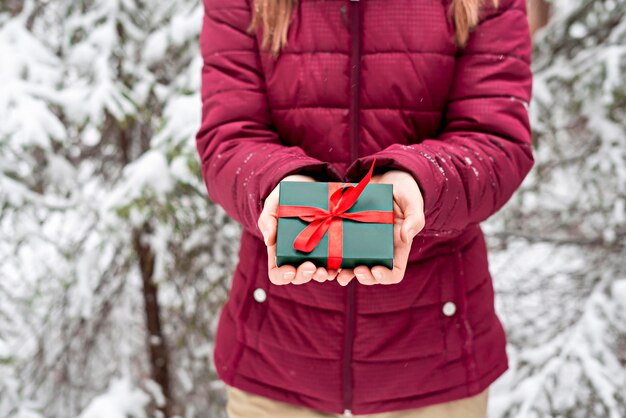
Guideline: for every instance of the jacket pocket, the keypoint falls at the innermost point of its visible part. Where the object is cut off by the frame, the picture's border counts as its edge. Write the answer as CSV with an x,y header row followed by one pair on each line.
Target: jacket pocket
x,y
254,304
456,310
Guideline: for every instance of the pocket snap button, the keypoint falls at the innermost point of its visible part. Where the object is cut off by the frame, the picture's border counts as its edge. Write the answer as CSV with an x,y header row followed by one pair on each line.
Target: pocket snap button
x,y
449,308
259,295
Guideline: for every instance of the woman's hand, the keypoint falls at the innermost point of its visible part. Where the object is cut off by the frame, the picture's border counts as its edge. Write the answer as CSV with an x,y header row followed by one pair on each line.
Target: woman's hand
x,y
268,223
408,208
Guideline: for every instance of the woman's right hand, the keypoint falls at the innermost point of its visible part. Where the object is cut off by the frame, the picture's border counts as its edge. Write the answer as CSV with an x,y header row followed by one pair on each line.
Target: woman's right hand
x,y
268,223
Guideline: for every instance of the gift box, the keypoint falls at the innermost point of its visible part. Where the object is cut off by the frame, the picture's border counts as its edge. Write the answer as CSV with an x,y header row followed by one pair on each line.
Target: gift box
x,y
335,225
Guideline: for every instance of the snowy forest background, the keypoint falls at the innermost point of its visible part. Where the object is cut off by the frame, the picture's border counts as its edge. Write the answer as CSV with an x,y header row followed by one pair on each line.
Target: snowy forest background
x,y
114,262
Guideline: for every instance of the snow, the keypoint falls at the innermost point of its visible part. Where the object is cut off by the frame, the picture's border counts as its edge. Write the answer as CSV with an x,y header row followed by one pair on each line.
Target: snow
x,y
121,400
619,292
99,108
156,392
149,173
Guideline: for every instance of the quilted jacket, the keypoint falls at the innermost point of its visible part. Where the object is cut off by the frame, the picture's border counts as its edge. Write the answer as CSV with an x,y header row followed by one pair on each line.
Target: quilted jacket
x,y
357,80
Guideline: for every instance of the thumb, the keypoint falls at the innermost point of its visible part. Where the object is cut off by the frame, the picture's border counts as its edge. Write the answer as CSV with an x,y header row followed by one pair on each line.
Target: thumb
x,y
413,221
268,222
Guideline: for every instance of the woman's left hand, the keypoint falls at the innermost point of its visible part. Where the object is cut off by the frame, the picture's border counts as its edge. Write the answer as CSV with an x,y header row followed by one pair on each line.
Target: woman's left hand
x,y
408,208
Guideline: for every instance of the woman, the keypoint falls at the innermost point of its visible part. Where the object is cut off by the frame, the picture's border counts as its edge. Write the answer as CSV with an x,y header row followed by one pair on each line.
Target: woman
x,y
437,91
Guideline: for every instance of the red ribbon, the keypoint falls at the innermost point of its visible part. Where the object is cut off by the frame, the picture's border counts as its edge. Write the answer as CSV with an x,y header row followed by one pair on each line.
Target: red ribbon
x,y
340,199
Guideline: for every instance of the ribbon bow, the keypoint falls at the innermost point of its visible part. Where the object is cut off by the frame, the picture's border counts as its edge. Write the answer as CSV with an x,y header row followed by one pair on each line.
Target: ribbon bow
x,y
320,220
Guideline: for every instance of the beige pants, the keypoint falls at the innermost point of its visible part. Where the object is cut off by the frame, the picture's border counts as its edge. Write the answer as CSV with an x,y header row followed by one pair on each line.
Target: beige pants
x,y
242,404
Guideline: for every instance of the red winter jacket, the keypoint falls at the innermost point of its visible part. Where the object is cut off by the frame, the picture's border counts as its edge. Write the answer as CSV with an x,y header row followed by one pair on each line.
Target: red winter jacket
x,y
357,80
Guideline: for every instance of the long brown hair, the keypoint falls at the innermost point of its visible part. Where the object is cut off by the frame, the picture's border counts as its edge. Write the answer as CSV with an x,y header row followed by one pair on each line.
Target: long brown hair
x,y
275,15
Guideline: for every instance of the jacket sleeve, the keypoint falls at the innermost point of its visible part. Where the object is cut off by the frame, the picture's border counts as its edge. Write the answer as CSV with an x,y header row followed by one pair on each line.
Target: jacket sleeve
x,y
242,157
483,152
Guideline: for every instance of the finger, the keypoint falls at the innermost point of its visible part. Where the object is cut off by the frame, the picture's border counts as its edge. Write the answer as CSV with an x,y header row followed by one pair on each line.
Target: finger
x,y
376,178
332,274
364,275
278,275
268,221
321,275
413,223
344,276
304,273
411,205
384,275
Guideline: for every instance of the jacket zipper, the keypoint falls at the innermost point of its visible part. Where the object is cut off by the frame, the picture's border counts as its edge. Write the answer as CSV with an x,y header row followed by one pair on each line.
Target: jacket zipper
x,y
355,61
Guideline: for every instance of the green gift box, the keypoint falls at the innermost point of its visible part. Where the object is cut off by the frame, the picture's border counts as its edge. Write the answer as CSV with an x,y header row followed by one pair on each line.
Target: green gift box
x,y
335,225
